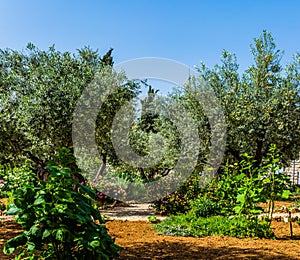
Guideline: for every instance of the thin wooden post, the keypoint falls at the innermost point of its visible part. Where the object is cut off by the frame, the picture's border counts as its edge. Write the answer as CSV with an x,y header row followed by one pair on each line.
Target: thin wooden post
x,y
291,224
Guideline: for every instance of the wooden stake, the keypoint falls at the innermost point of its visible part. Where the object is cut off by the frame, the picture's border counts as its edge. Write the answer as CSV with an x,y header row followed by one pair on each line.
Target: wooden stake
x,y
291,224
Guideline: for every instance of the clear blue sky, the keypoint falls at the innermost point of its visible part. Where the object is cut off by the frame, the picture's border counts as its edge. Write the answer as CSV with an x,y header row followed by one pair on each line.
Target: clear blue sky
x,y
187,31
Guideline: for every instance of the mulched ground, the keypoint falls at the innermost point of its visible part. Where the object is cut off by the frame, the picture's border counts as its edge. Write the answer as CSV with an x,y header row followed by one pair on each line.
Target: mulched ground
x,y
140,241
8,229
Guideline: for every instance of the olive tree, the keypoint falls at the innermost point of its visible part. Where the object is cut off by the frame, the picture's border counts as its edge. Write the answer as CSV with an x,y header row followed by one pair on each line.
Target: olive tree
x,y
39,91
261,105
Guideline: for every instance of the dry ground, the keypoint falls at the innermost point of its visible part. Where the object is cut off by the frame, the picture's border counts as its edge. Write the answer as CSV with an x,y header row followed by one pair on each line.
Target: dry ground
x,y
140,241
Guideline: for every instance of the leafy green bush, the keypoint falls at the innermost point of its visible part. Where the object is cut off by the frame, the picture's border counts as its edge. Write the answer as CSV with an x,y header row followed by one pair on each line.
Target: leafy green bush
x,y
189,225
243,185
228,206
181,200
152,219
205,207
235,191
59,218
15,177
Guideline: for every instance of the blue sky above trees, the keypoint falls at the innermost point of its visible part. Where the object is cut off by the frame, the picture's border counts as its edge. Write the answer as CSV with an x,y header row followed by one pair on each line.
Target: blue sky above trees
x,y
187,31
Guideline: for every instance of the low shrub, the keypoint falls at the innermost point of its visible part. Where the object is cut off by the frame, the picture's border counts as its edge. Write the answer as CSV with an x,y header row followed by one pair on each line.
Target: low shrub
x,y
241,186
205,207
181,200
189,225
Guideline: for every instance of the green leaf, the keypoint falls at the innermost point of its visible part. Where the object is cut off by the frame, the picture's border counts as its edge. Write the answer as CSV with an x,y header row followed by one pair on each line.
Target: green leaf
x,y
256,211
95,243
237,209
46,233
30,246
266,180
34,229
240,176
59,234
286,194
13,243
241,198
39,200
13,210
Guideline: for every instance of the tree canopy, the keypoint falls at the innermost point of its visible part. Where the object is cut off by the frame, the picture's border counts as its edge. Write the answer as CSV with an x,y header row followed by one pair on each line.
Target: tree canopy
x,y
261,105
39,91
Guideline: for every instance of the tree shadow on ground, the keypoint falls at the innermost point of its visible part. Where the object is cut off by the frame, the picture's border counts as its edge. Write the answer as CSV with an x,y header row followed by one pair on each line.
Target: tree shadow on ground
x,y
288,238
176,250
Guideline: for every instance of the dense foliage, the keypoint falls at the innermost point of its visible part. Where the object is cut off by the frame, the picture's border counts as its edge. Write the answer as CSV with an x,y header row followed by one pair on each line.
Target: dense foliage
x,y
229,205
39,92
189,225
15,177
261,105
180,200
59,219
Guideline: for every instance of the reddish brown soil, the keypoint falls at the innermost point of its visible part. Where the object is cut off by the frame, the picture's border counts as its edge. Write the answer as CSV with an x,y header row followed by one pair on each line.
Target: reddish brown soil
x,y
140,241
8,229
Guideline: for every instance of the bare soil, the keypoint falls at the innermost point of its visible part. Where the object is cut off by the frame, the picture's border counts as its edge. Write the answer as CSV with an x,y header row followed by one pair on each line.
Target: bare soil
x,y
140,241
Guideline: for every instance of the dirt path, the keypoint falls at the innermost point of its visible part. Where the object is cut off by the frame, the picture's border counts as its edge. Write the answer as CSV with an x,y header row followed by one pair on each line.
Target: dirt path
x,y
137,211
134,212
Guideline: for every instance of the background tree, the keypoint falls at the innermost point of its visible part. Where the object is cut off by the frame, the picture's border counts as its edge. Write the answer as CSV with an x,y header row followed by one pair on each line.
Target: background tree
x,y
126,91
38,94
261,105
153,121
